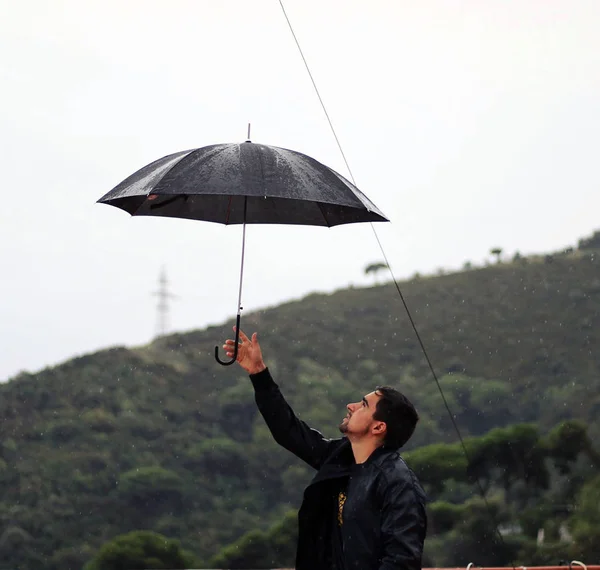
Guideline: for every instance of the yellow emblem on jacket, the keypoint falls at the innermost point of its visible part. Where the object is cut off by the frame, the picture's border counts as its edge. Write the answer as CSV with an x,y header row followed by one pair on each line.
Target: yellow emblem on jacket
x,y
341,500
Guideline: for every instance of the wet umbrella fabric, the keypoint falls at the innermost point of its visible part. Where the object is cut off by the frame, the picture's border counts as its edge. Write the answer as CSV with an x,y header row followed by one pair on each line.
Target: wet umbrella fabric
x,y
218,183
243,183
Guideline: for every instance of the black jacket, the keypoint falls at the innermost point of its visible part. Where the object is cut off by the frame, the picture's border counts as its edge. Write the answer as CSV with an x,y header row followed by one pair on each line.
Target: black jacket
x,y
384,518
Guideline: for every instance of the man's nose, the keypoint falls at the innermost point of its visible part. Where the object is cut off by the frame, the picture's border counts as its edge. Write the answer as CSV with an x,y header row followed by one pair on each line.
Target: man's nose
x,y
350,407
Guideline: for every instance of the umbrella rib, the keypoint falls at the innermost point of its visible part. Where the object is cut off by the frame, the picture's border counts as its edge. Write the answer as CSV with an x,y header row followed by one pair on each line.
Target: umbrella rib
x,y
323,214
229,210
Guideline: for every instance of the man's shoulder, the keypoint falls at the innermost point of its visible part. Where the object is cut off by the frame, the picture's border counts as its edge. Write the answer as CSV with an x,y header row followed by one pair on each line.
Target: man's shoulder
x,y
392,463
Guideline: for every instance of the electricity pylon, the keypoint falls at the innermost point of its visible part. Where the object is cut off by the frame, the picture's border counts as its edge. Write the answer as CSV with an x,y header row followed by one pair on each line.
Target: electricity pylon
x,y
163,295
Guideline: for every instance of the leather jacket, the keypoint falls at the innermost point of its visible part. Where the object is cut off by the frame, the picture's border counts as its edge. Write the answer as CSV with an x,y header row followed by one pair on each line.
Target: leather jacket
x,y
383,522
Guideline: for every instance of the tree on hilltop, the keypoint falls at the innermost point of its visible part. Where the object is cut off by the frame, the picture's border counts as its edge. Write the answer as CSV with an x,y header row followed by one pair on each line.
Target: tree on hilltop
x,y
375,268
497,251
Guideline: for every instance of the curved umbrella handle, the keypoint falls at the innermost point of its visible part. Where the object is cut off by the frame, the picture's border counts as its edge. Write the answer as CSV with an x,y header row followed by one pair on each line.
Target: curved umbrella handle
x,y
235,350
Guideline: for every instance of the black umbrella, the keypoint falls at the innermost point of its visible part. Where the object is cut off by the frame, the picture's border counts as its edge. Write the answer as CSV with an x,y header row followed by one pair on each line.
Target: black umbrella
x,y
243,183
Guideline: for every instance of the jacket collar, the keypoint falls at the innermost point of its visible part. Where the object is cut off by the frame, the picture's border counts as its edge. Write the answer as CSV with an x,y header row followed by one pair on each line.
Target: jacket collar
x,y
378,454
341,462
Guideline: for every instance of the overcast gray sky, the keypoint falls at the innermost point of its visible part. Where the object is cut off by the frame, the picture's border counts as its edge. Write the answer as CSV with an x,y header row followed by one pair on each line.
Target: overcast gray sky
x,y
470,124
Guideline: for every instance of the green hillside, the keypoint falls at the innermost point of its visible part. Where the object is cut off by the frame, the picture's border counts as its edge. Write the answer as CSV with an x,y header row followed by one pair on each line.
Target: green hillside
x,y
163,438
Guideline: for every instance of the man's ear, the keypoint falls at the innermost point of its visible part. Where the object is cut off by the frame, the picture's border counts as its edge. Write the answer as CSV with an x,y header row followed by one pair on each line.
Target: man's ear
x,y
379,428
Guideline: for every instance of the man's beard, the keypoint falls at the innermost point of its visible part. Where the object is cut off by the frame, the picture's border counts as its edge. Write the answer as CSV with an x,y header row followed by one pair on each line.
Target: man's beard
x,y
343,427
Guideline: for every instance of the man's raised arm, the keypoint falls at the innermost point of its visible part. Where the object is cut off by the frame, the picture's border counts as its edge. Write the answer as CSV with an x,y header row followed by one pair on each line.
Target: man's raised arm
x,y
287,429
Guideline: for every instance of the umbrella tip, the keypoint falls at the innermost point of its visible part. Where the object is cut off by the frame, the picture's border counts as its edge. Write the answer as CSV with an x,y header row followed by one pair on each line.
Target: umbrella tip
x,y
248,139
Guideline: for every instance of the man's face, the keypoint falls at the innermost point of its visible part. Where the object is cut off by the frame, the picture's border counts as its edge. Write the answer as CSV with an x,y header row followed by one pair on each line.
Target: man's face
x,y
359,419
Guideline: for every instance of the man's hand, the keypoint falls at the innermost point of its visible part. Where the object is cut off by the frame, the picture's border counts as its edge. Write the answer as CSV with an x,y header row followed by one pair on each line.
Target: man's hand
x,y
249,355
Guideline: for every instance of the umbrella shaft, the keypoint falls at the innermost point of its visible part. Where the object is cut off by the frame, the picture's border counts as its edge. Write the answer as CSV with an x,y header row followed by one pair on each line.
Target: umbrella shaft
x,y
243,251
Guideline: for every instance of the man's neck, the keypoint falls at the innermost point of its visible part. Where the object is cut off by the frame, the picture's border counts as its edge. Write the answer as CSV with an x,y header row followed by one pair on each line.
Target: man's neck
x,y
362,450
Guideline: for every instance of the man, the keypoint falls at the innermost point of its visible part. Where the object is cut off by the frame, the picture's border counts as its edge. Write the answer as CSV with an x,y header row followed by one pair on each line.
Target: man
x,y
364,509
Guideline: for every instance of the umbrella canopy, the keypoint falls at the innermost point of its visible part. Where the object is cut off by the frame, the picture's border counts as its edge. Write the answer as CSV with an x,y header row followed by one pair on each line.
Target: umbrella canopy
x,y
243,183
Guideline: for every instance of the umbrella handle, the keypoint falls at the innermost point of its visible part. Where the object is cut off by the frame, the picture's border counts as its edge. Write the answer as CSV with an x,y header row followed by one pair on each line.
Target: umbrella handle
x,y
235,350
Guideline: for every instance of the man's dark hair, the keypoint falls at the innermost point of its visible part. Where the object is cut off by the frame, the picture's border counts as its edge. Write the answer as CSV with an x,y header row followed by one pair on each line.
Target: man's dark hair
x,y
399,415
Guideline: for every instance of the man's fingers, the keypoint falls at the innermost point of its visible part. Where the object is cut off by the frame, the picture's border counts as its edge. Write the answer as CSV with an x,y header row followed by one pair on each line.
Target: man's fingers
x,y
254,337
